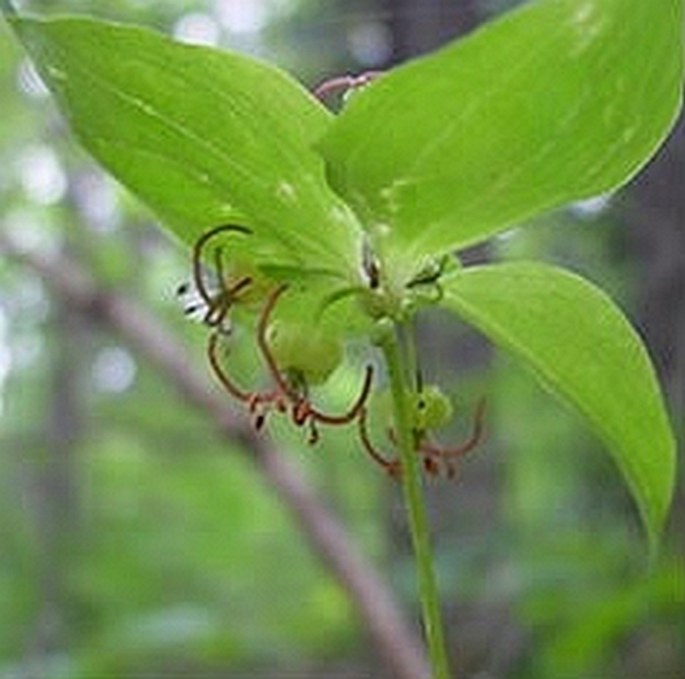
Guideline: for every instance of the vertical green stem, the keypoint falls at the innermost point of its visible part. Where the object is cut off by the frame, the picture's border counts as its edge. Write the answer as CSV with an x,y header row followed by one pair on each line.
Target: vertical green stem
x,y
400,372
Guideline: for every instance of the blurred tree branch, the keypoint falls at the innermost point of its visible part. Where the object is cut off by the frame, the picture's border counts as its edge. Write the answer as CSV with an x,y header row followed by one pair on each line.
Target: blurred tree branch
x,y
394,640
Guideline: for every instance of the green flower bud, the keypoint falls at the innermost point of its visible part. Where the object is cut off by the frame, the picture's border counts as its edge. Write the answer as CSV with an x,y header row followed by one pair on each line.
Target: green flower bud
x,y
304,349
431,408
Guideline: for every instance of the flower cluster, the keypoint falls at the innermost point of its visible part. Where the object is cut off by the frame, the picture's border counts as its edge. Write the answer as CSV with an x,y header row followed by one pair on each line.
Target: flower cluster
x,y
296,355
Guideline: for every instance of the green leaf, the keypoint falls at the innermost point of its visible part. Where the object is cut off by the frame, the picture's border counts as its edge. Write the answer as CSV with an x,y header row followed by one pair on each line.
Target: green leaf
x,y
202,136
584,350
558,101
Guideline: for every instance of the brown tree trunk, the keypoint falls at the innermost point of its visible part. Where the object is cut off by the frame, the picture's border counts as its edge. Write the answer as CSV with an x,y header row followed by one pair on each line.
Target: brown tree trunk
x,y
419,27
657,217
54,489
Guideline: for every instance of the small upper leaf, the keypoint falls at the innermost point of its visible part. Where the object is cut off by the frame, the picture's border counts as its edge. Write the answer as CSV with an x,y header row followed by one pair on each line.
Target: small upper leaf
x,y
557,101
202,136
584,350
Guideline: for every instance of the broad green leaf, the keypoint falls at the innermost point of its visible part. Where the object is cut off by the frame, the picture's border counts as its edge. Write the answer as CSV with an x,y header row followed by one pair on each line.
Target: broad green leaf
x,y
559,100
584,350
201,135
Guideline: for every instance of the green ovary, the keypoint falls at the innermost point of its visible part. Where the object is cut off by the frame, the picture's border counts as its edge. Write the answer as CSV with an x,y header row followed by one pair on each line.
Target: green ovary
x,y
305,350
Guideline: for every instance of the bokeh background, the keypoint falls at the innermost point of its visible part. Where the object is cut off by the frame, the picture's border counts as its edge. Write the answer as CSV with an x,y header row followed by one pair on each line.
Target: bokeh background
x,y
137,539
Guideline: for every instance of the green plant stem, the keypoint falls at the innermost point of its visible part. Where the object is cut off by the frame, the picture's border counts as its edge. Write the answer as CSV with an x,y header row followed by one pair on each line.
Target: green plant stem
x,y
400,374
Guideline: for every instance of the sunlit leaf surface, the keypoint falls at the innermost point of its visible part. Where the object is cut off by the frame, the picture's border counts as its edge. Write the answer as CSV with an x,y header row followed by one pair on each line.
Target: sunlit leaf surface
x,y
202,136
583,349
557,101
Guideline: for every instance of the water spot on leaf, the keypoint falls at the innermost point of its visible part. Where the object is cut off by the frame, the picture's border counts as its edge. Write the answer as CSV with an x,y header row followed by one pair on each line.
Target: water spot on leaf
x,y
629,134
391,194
286,192
144,106
56,73
584,13
339,214
589,25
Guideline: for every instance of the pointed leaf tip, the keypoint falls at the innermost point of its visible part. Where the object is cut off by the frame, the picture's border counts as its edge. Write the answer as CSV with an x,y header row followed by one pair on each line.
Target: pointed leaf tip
x,y
582,348
557,101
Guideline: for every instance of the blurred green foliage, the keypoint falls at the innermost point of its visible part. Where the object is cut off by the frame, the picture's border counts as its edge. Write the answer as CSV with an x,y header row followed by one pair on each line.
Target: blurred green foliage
x,y
172,555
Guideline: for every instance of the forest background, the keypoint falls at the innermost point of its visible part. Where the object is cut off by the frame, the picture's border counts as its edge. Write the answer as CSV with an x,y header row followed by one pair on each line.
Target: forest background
x,y
142,533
